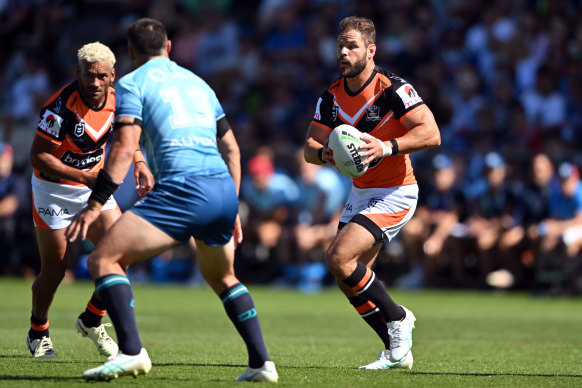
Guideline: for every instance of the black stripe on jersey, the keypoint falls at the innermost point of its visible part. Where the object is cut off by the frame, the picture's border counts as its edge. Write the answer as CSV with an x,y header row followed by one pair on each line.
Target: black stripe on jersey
x,y
394,100
375,114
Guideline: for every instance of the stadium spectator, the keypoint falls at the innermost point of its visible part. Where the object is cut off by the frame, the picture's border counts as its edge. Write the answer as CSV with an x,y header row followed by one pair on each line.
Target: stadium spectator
x,y
517,245
322,194
395,122
66,154
432,237
545,105
10,197
270,196
493,211
25,93
563,227
196,163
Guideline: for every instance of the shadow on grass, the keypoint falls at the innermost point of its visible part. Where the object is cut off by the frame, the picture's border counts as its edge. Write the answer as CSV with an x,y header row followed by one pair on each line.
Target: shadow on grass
x,y
39,378
197,364
494,374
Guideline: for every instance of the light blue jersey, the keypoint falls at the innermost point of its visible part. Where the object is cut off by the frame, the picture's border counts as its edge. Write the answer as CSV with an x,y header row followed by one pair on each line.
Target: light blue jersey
x,y
178,111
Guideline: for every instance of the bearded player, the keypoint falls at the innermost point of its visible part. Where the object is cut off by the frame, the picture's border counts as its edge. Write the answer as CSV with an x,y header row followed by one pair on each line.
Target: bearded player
x,y
395,122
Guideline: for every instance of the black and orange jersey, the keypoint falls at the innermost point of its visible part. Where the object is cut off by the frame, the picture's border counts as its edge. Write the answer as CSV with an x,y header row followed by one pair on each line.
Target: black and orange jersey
x,y
79,130
378,108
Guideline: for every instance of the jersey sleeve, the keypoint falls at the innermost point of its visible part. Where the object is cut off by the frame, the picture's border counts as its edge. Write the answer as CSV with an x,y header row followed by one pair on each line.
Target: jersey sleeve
x,y
51,125
324,111
217,108
127,100
404,98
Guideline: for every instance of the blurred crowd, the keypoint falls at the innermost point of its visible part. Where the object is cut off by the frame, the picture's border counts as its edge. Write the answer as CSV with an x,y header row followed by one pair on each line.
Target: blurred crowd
x,y
501,199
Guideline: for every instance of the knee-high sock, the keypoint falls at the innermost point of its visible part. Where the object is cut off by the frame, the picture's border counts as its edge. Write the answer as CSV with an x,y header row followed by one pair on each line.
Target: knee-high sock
x,y
363,281
117,296
94,312
373,317
240,308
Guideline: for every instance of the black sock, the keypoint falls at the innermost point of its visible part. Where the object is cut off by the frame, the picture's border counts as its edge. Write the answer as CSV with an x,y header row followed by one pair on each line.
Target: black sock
x,y
94,312
240,308
117,297
366,284
373,317
38,328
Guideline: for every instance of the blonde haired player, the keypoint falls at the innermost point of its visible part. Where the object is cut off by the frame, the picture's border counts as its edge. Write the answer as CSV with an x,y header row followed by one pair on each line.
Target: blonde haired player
x,y
66,154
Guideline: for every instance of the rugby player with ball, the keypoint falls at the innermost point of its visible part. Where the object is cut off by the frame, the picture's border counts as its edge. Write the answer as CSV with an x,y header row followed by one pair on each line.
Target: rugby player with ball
x,y
366,123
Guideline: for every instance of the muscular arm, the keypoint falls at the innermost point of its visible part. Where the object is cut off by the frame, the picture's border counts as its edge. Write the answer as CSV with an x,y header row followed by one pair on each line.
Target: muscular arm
x,y
316,138
228,147
423,133
120,156
42,159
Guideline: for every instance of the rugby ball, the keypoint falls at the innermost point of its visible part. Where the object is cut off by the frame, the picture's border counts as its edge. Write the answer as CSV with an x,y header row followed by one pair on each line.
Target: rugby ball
x,y
345,143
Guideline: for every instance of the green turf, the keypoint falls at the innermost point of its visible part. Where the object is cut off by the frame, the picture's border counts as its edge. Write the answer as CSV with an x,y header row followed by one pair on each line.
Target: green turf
x,y
463,339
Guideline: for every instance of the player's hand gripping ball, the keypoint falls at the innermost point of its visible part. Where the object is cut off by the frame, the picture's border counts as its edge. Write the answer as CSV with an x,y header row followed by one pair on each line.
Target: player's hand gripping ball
x,y
345,142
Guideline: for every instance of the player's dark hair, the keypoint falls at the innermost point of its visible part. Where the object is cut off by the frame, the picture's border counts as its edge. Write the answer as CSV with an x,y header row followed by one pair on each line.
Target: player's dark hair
x,y
363,25
147,36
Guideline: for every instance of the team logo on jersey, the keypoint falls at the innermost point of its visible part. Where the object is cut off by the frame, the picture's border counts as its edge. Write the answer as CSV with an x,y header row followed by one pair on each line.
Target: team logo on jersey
x,y
80,129
51,123
372,113
408,95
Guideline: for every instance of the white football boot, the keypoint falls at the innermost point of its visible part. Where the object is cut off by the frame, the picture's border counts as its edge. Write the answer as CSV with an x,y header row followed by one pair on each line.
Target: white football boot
x,y
105,344
266,373
121,365
41,348
384,362
400,333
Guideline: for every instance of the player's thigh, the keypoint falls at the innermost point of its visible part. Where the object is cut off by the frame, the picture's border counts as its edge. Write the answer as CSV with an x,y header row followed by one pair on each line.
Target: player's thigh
x,y
131,239
352,242
216,264
53,248
106,219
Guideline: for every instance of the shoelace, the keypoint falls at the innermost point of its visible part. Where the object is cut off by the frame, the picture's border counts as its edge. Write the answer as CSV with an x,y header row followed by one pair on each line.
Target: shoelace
x,y
46,345
103,333
396,334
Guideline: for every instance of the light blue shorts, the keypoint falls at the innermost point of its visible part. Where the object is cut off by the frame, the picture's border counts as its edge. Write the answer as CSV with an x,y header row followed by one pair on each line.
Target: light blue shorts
x,y
191,205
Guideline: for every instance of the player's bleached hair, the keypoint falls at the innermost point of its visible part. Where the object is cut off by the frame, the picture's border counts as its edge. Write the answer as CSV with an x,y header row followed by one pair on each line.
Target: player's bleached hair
x,y
363,25
95,52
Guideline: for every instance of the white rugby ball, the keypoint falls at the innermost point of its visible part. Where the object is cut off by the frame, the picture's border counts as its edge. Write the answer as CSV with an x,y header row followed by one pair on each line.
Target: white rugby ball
x,y
345,142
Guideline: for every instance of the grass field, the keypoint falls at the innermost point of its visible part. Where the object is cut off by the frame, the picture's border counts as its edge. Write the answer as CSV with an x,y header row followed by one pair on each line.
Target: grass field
x,y
462,339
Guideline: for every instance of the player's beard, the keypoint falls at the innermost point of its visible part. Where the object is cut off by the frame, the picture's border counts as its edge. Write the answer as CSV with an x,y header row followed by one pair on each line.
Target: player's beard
x,y
352,70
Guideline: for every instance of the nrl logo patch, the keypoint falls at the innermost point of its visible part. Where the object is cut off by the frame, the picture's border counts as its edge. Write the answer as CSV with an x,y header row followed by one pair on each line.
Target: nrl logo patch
x,y
80,129
372,113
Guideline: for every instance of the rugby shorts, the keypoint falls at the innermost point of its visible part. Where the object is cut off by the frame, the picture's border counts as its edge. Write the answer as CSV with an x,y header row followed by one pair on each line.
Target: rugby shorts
x,y
204,207
382,211
55,204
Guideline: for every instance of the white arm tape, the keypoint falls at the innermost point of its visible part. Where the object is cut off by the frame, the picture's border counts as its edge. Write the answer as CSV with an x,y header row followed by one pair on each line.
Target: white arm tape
x,y
386,151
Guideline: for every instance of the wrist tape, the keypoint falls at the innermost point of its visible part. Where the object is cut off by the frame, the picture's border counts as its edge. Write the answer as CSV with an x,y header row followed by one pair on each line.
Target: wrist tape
x,y
104,188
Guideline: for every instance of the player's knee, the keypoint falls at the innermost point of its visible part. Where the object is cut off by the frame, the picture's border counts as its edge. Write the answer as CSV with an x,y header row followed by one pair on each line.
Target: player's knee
x,y
94,265
333,258
49,277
